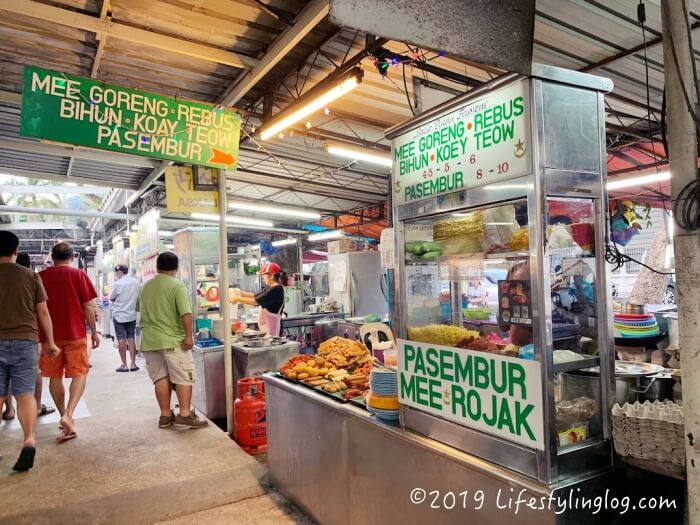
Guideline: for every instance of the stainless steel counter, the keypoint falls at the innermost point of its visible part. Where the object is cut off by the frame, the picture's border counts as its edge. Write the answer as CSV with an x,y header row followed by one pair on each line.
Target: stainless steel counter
x,y
342,466
308,320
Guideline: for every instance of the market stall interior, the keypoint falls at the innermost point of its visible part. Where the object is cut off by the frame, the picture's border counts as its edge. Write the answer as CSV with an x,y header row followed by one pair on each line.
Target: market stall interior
x,y
448,277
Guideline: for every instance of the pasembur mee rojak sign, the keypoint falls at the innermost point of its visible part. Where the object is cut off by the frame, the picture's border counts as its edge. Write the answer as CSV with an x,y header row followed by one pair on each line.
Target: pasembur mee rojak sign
x,y
492,393
86,112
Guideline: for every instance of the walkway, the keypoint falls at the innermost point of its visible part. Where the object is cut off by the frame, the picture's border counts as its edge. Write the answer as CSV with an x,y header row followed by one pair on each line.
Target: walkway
x,y
122,469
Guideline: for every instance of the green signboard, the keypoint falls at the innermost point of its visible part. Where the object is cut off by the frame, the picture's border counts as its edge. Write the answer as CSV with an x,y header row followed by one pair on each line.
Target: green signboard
x,y
495,394
85,112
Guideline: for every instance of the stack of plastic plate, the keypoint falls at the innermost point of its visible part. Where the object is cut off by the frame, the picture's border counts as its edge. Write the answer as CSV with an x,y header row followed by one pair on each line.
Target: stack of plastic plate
x,y
635,325
383,399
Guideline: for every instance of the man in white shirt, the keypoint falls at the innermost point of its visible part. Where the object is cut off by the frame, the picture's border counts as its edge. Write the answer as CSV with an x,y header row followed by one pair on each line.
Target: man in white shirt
x,y
124,296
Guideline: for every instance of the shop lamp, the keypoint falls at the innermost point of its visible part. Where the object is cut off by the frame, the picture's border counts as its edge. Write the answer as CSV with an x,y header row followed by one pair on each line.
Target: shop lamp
x,y
273,210
164,233
234,219
326,236
363,154
639,181
311,103
284,242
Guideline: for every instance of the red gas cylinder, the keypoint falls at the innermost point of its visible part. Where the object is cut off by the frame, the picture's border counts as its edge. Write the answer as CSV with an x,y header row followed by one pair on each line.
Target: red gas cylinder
x,y
249,415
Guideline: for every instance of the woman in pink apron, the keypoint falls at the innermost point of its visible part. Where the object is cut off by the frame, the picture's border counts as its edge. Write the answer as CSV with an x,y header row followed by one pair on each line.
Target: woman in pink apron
x,y
270,300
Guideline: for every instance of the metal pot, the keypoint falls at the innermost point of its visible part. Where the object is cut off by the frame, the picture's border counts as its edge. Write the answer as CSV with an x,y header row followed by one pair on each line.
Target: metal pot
x,y
325,330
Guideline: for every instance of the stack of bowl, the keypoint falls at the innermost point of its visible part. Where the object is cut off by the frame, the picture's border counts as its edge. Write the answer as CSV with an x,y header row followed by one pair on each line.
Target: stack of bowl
x,y
383,398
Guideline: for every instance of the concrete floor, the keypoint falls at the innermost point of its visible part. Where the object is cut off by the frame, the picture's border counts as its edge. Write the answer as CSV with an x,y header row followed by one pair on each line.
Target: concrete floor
x,y
123,469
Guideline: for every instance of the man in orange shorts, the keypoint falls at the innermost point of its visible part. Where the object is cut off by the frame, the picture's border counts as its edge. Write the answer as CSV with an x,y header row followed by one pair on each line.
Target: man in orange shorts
x,y
71,304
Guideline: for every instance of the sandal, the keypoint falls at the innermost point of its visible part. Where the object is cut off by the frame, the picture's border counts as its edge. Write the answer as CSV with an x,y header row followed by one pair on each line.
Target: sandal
x,y
122,368
45,411
134,368
7,417
66,436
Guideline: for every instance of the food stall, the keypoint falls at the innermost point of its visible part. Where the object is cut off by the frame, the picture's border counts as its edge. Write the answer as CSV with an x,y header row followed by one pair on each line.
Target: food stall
x,y
506,180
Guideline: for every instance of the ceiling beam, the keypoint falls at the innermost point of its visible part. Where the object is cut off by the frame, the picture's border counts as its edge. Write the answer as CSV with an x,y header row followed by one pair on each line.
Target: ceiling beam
x,y
65,212
53,150
14,226
654,42
102,41
308,18
306,186
148,181
131,34
70,190
31,174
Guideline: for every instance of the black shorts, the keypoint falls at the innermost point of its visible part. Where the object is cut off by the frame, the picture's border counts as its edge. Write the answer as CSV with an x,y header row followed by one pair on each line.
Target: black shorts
x,y
124,330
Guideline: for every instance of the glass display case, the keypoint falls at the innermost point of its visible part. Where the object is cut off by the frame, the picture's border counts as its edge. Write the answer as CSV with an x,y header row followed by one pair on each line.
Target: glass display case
x,y
499,212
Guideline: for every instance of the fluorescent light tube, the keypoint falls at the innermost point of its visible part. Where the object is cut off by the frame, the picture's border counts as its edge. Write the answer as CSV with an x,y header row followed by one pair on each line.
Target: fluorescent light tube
x,y
642,180
289,118
234,219
363,154
273,210
284,242
164,233
327,235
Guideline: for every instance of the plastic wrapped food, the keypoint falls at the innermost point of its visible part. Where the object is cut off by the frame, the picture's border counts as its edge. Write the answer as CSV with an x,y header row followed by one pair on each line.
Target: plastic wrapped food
x,y
500,225
520,241
463,235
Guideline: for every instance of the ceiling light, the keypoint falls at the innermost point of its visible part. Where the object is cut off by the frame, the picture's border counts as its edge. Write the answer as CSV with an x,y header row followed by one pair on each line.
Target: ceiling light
x,y
639,181
273,210
284,242
170,246
364,154
164,233
234,219
327,235
311,103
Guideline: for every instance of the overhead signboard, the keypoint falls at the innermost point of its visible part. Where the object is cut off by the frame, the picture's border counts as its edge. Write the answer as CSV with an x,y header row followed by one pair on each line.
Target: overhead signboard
x,y
492,393
180,195
86,112
484,141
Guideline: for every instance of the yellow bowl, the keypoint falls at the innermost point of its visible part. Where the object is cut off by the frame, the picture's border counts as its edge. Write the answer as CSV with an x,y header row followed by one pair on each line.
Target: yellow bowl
x,y
383,402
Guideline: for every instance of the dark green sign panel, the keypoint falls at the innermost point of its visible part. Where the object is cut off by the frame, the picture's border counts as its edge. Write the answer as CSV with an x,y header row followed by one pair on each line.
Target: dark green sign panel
x,y
85,112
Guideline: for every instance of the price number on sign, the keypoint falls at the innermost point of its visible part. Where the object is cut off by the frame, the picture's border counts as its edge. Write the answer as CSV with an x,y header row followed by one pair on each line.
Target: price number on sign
x,y
427,173
503,168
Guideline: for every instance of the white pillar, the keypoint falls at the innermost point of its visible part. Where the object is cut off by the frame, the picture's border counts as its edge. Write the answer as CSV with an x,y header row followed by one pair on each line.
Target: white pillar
x,y
682,145
225,306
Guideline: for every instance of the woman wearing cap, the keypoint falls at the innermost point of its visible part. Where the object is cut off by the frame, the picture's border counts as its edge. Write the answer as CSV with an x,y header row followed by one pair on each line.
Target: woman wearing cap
x,y
270,300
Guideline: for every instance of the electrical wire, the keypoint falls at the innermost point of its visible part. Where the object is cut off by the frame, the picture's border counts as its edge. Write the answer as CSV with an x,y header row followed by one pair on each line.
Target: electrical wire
x,y
686,207
405,88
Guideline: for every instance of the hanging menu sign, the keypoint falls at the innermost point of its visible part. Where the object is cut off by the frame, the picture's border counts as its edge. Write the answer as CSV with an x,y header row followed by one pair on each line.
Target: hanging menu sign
x,y
83,111
484,141
491,393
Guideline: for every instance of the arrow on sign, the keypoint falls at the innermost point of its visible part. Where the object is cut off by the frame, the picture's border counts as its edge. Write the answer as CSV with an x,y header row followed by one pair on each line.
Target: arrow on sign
x,y
221,157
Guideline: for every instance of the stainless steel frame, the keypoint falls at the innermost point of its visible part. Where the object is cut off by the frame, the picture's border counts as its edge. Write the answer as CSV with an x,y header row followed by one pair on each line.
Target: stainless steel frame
x,y
560,169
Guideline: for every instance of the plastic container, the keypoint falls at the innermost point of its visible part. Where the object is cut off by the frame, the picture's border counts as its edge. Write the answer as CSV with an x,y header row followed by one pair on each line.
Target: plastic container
x,y
390,357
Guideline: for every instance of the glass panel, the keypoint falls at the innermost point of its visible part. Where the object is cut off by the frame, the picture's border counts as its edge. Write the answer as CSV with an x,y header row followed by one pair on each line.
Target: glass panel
x,y
572,257
468,280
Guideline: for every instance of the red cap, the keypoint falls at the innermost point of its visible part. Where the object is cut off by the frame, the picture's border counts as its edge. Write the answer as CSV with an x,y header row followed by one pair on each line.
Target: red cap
x,y
270,268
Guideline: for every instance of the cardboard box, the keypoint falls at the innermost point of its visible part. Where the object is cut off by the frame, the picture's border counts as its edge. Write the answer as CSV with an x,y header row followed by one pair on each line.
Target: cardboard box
x,y
343,246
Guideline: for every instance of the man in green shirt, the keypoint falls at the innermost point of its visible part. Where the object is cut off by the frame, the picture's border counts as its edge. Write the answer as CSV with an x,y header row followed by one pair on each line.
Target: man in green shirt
x,y
166,342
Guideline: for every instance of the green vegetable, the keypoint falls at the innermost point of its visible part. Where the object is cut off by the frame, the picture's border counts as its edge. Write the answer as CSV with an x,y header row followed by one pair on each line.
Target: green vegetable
x,y
432,255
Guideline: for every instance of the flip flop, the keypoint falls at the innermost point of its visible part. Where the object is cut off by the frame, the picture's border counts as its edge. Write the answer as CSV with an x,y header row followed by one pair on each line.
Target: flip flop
x,y
122,368
134,369
4,416
66,436
45,411
25,460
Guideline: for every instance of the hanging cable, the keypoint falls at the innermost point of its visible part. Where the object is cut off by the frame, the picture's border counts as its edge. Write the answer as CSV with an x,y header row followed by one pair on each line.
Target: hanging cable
x,y
686,207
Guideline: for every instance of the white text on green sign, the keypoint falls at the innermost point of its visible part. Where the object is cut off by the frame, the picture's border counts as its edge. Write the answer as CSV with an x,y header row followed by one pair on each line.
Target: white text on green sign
x,y
77,110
